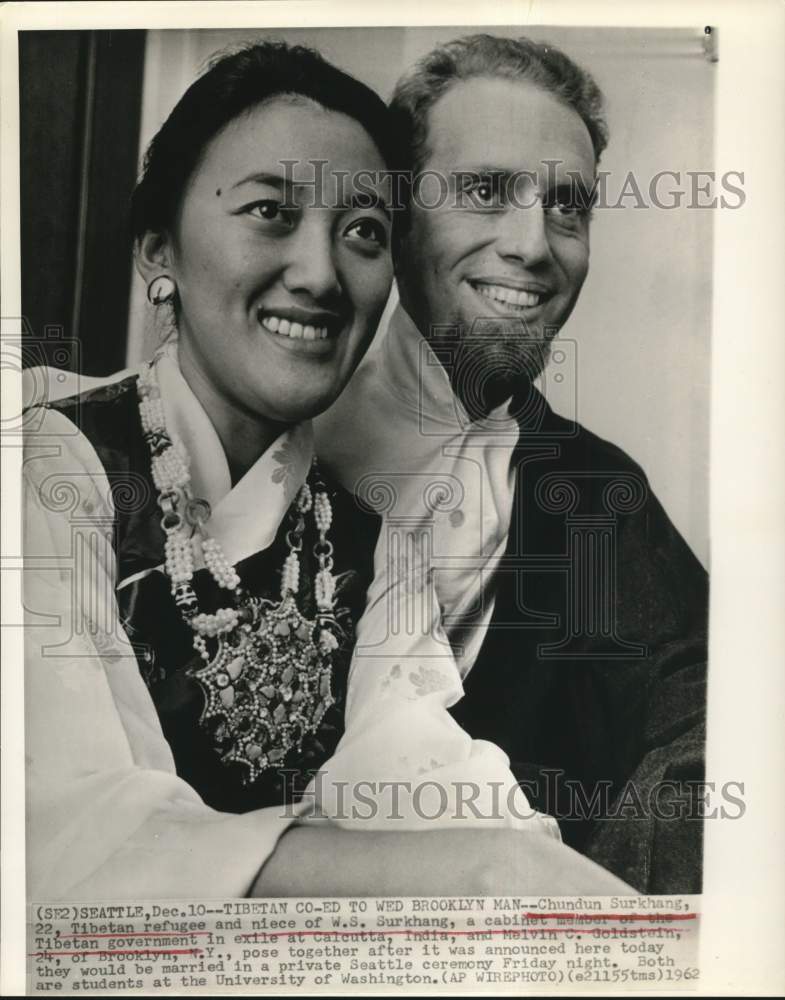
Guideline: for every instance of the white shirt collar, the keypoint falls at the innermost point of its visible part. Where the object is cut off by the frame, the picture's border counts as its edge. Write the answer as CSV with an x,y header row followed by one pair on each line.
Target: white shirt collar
x,y
416,376
245,518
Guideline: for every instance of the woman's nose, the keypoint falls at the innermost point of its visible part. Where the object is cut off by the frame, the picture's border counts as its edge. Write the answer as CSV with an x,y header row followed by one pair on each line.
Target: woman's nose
x,y
523,234
310,263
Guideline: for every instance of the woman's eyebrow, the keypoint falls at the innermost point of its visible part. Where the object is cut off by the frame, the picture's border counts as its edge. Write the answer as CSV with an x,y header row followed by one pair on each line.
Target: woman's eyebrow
x,y
369,200
262,178
281,184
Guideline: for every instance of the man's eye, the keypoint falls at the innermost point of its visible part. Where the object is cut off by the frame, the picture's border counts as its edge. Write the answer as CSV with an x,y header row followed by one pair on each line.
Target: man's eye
x,y
563,208
567,207
368,231
485,192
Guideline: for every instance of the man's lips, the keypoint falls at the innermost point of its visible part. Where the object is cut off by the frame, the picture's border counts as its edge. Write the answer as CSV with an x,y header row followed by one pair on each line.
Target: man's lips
x,y
516,296
300,324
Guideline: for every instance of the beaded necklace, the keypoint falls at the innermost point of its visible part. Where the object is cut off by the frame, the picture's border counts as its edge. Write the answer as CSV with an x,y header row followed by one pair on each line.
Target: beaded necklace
x,y
266,668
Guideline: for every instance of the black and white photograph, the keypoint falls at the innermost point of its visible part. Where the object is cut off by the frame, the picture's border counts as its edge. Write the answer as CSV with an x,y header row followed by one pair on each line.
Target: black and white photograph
x,y
367,461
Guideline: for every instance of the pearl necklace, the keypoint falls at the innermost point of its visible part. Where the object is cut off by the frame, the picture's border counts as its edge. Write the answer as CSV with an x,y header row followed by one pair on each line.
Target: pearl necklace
x,y
266,668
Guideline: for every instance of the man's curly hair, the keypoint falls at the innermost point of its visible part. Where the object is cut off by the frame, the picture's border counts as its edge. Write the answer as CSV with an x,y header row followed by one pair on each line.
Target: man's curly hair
x,y
484,55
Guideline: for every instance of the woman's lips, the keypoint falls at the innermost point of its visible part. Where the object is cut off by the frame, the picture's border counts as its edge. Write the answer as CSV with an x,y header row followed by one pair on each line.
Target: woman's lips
x,y
308,333
296,323
297,331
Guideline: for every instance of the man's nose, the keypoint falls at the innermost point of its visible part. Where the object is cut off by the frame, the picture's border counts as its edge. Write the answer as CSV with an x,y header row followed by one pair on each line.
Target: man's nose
x,y
523,234
310,265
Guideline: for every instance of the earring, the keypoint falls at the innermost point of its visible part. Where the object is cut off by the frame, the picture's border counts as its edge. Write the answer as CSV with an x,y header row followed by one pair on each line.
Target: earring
x,y
161,289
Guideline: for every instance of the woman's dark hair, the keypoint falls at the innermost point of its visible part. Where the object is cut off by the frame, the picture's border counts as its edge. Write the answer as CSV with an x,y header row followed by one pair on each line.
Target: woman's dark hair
x,y
232,84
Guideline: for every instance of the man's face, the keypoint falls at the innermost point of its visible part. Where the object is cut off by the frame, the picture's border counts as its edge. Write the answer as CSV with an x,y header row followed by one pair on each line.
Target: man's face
x,y
493,271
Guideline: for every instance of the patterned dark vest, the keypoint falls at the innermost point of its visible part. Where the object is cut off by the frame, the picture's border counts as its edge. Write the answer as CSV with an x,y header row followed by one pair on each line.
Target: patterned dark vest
x,y
109,418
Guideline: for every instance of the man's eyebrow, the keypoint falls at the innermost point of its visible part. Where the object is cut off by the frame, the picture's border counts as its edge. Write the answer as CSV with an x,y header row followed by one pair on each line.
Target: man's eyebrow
x,y
575,190
475,173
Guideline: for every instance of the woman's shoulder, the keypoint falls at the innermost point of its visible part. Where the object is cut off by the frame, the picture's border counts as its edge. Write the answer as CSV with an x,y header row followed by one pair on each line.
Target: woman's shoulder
x,y
87,438
77,410
69,393
351,514
42,384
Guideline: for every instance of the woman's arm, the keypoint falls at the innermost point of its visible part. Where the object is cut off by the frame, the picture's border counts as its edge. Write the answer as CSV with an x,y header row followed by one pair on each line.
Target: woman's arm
x,y
318,859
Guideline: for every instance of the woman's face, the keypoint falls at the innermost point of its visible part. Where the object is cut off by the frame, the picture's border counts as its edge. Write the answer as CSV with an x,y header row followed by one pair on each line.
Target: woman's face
x,y
281,284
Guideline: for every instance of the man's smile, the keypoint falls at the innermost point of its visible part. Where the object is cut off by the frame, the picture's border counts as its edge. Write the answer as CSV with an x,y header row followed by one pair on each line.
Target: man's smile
x,y
511,297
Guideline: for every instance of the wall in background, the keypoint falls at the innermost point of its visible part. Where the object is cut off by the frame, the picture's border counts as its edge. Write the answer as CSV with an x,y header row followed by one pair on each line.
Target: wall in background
x,y
634,358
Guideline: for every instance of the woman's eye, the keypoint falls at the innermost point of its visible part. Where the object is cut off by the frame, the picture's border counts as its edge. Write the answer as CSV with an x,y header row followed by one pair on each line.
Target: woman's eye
x,y
270,211
368,231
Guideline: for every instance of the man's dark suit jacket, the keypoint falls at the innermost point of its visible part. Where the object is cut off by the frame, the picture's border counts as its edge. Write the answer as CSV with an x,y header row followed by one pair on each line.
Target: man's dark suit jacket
x,y
592,675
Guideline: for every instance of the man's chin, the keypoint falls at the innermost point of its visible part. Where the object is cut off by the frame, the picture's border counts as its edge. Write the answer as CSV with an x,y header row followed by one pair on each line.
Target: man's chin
x,y
487,373
502,359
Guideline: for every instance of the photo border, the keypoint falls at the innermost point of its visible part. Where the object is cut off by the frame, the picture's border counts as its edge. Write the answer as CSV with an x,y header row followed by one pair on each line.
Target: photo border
x,y
744,864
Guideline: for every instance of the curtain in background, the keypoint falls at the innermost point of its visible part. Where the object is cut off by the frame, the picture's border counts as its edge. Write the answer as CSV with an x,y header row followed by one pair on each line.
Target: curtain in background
x,y
80,95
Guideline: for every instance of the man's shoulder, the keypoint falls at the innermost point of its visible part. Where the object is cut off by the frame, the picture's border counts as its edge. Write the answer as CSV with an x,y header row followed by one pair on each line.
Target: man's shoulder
x,y
575,445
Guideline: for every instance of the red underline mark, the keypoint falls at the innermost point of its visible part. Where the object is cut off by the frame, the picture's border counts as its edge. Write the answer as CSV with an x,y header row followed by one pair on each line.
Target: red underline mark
x,y
418,932
613,916
66,937
130,951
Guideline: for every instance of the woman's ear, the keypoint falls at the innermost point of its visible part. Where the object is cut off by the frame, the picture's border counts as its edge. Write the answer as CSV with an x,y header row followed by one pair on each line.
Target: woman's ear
x,y
153,255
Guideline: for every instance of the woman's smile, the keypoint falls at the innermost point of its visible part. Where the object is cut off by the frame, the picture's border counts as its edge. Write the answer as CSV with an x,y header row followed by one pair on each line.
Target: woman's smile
x,y
313,333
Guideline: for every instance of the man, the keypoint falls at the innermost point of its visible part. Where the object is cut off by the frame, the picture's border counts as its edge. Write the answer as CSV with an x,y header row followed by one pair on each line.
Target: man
x,y
575,611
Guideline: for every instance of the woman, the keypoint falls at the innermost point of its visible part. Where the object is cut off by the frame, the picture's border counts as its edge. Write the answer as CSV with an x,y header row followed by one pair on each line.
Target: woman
x,y
188,650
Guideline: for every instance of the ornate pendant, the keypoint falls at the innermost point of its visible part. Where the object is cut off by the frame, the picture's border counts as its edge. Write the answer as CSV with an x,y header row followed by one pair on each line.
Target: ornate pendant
x,y
268,685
